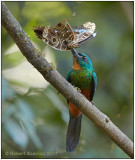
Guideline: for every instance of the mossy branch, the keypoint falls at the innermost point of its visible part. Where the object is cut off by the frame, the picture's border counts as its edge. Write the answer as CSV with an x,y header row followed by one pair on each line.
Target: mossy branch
x,y
66,89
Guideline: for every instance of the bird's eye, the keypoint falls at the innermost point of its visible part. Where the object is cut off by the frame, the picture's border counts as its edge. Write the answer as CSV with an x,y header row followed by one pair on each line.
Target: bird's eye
x,y
84,58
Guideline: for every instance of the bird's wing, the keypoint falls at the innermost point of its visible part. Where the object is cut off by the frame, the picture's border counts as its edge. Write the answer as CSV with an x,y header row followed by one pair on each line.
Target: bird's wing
x,y
68,78
94,85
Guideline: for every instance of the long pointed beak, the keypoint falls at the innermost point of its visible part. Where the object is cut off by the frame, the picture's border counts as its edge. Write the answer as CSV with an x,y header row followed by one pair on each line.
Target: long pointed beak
x,y
75,54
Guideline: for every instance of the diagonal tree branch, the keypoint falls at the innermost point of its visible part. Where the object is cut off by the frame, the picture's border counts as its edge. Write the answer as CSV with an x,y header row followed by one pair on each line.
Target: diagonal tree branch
x,y
66,89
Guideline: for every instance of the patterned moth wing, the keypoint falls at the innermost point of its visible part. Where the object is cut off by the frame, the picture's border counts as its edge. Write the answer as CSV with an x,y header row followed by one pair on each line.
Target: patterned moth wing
x,y
57,37
82,34
63,37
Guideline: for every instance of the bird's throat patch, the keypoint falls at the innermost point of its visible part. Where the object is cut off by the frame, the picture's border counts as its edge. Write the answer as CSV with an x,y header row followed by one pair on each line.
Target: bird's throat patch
x,y
76,65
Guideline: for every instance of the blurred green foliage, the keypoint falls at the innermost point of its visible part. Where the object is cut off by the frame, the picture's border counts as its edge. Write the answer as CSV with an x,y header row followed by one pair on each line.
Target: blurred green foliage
x,y
34,115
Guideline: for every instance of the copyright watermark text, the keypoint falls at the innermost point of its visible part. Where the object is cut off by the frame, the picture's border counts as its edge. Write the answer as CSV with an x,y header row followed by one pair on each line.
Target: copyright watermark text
x,y
11,153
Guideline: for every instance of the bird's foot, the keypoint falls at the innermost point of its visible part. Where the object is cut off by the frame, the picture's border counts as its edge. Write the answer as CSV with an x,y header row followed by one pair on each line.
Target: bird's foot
x,y
78,89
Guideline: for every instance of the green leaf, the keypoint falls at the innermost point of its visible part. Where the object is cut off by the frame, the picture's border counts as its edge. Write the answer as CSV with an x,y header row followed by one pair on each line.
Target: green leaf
x,y
7,92
16,133
7,112
12,60
26,117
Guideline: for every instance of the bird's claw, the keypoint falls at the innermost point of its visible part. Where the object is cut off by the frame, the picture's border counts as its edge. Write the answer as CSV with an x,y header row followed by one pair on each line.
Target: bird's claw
x,y
78,89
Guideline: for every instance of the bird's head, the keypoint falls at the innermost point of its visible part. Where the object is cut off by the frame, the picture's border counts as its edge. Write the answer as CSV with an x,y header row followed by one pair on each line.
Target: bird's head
x,y
81,61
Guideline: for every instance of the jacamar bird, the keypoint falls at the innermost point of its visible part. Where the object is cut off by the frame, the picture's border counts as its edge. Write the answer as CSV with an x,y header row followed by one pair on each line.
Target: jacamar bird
x,y
83,77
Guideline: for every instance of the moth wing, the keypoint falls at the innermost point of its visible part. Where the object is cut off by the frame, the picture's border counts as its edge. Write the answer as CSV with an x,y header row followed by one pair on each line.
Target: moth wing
x,y
64,35
39,31
84,32
70,30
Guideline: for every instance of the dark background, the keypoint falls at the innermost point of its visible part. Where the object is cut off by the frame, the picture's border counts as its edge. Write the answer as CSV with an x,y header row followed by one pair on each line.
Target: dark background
x,y
34,115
